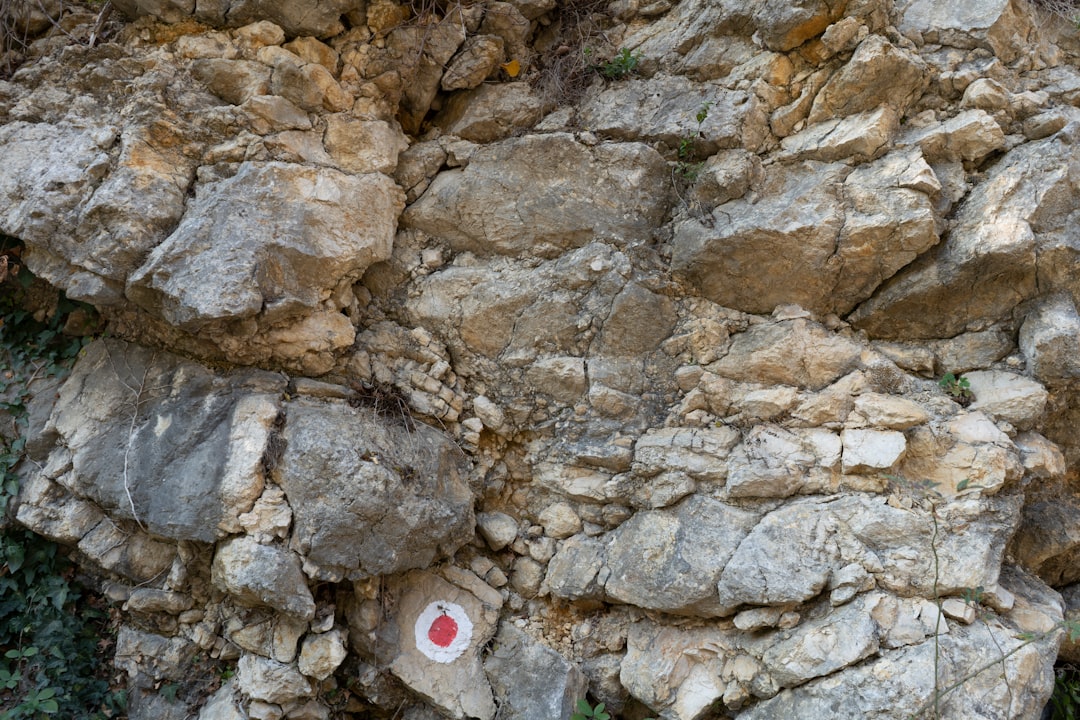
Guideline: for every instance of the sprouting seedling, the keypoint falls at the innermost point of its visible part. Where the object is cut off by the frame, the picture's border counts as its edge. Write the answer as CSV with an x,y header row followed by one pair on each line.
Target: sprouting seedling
x,y
957,386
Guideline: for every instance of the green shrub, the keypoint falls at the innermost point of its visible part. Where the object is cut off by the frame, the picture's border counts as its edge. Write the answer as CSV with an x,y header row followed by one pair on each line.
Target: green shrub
x,y
623,64
50,655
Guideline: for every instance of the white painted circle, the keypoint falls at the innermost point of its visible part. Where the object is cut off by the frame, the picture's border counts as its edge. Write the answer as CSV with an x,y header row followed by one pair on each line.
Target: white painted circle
x,y
443,631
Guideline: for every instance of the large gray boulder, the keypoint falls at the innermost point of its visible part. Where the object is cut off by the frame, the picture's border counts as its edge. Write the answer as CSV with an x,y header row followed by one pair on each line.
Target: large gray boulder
x,y
671,559
165,442
371,495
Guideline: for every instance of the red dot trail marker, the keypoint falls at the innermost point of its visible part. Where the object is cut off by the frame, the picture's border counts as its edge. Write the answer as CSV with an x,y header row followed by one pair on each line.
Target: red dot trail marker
x,y
443,631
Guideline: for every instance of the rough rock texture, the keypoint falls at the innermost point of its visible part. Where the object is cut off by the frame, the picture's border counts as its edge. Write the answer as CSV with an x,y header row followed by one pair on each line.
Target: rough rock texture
x,y
468,360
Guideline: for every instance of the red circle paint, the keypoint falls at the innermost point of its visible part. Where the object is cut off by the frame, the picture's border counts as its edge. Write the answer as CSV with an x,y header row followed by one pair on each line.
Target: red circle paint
x,y
443,630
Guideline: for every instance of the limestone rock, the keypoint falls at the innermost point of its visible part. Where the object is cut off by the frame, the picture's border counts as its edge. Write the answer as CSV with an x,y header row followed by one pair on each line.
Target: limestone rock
x,y
971,450
700,453
861,85
234,81
316,227
791,554
1050,340
498,529
577,569
1007,396
661,559
888,411
59,193
775,462
862,137
970,351
872,450
222,705
664,108
476,60
370,495
264,575
764,353
821,647
859,692
991,259
501,204
726,260
159,657
321,654
969,136
363,146
678,670
855,229
295,20
440,630
490,112
420,53
531,681
998,25
188,461
1048,540
784,25
263,679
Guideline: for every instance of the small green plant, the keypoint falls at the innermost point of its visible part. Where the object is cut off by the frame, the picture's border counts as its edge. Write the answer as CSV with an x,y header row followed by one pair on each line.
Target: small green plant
x,y
687,166
623,64
958,388
1065,702
585,711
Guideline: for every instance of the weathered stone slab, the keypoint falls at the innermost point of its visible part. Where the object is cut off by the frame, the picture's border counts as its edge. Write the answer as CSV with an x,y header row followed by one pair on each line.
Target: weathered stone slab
x,y
988,264
540,195
764,353
166,442
1050,340
257,574
273,240
665,108
879,73
998,25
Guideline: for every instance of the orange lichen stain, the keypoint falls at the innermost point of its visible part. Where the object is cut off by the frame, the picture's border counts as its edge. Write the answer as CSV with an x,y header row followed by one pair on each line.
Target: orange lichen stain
x,y
512,68
162,33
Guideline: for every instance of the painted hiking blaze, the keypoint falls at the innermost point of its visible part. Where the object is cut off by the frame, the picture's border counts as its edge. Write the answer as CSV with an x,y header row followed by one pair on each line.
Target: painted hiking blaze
x,y
443,631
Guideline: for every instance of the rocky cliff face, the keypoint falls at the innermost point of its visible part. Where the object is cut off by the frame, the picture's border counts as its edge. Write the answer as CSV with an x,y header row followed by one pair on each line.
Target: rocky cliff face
x,y
469,357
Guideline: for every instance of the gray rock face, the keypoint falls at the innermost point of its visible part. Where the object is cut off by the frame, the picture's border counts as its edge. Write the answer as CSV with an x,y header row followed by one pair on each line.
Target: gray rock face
x,y
258,574
764,352
998,25
163,441
664,108
369,495
499,204
322,19
532,682
992,252
314,227
1050,340
671,559
790,556
854,229
784,25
